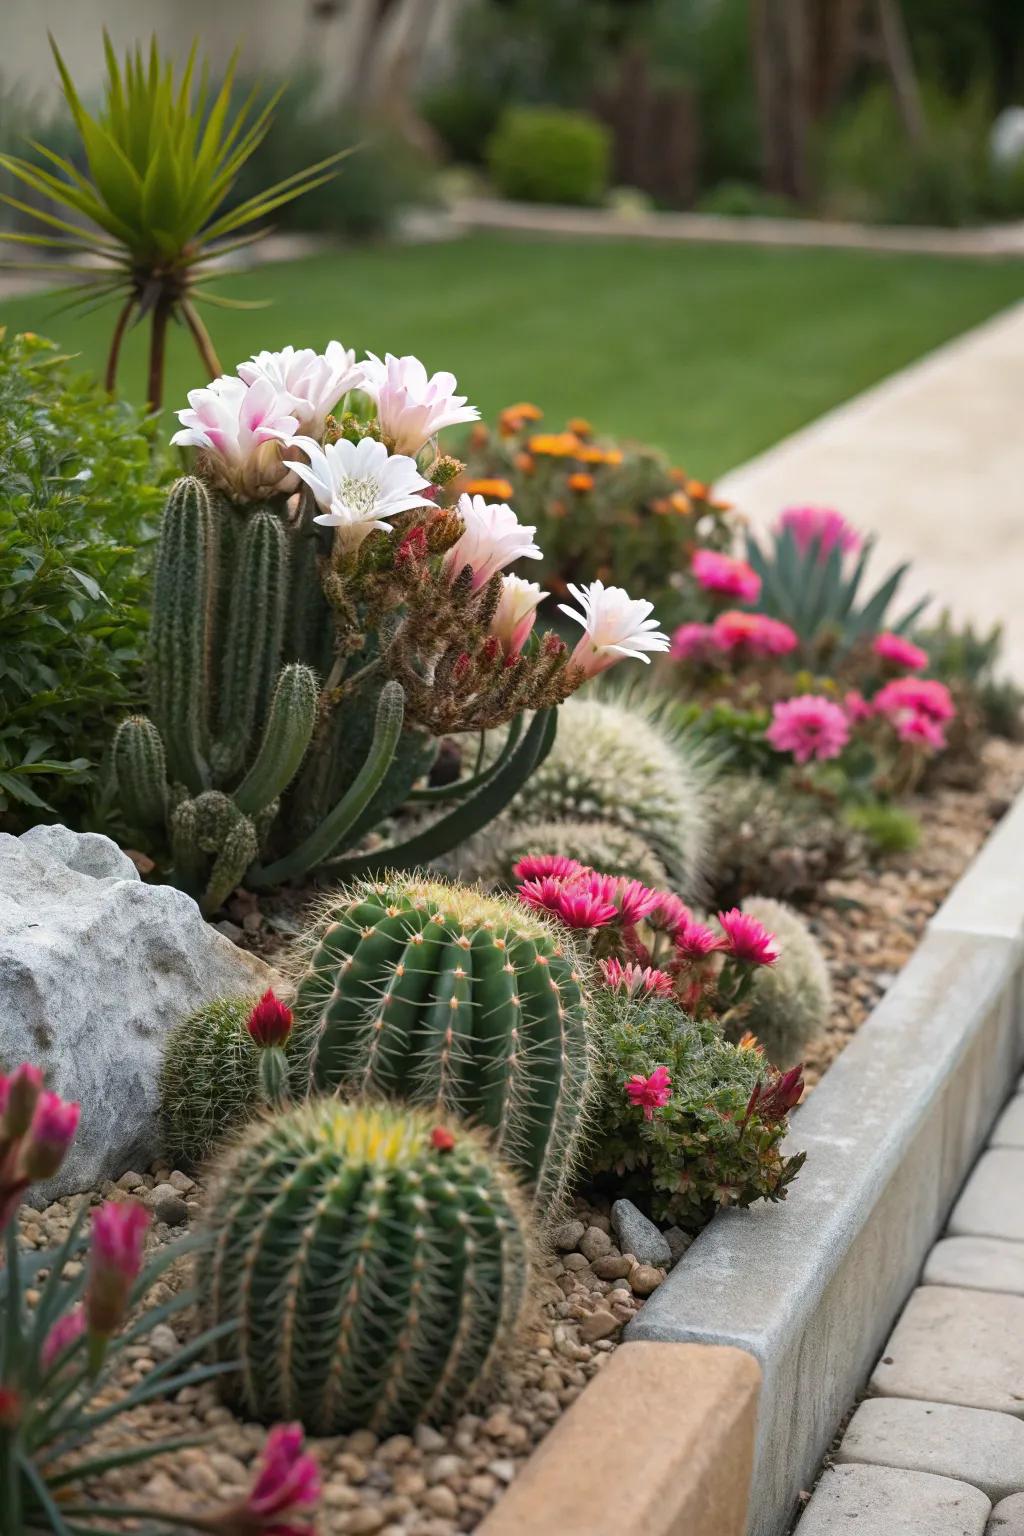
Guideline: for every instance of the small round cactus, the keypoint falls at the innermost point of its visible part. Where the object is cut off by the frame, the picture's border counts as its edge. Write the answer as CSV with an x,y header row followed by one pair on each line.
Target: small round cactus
x,y
210,1079
622,762
602,845
441,995
789,1001
774,841
376,1259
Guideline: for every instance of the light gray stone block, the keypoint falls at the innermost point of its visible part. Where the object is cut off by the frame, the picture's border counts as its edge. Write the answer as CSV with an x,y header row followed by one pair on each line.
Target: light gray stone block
x,y
989,898
1007,1519
1009,1128
885,1501
992,1204
95,968
971,1444
812,1287
979,1263
957,1346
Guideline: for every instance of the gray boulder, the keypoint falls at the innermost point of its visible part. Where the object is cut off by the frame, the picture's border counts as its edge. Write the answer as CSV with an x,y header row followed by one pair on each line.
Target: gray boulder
x,y
639,1236
95,968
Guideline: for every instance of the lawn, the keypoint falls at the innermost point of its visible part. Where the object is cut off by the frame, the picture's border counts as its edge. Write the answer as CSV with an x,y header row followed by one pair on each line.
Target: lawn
x,y
712,352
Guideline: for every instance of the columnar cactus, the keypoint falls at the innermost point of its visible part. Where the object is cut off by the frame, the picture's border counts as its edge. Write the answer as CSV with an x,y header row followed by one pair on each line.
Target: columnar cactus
x,y
440,995
376,1260
789,1002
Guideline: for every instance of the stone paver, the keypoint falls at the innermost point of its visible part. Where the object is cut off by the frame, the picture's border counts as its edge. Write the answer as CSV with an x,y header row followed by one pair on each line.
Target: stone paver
x,y
904,459
992,1203
975,1446
1007,1519
886,1501
957,1346
1009,1131
979,1263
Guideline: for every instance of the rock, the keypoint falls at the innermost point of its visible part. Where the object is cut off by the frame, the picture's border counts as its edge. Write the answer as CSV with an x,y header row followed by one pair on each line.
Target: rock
x,y
568,1235
1007,1519
645,1279
574,1262
678,1242
599,1325
594,1243
639,1236
442,1501
612,1266
163,1342
95,968
171,1210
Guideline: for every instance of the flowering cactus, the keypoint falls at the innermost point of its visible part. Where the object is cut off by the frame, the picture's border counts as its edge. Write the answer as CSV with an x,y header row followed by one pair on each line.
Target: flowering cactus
x,y
322,614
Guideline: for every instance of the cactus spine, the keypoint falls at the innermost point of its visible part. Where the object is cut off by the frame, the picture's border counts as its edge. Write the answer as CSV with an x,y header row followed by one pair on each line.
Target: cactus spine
x,y
443,996
789,1001
375,1259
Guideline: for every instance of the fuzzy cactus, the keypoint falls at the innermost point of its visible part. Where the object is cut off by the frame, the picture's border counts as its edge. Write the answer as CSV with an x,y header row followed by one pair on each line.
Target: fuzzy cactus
x,y
441,995
789,1002
621,761
376,1259
601,844
770,840
210,1079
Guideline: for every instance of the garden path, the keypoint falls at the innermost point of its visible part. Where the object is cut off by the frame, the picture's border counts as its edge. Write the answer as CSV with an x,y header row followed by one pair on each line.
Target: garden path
x,y
931,459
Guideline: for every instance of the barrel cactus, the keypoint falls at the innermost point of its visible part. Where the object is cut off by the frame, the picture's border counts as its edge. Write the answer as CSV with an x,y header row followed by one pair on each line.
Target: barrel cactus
x,y
376,1260
623,762
789,1001
441,995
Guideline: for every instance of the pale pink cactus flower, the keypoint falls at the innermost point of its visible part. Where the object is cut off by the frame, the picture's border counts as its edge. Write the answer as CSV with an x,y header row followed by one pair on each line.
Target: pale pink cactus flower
x,y
412,407
240,427
314,382
614,625
492,538
516,612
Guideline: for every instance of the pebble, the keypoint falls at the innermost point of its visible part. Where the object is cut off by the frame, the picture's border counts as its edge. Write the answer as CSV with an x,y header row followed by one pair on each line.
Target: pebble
x,y
172,1210
645,1279
567,1236
678,1242
638,1235
612,1266
599,1325
594,1243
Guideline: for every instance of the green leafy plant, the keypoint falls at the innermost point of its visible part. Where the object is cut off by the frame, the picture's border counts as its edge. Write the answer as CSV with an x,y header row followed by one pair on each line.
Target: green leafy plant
x,y
886,828
438,994
717,1114
547,155
819,592
79,499
375,1260
153,211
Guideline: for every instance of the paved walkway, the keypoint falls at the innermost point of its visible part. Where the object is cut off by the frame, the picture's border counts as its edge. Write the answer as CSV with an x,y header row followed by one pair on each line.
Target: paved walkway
x,y
994,240
938,1449
932,460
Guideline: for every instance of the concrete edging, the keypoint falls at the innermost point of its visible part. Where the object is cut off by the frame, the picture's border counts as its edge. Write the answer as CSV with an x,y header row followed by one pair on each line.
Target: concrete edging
x,y
811,1288
661,1442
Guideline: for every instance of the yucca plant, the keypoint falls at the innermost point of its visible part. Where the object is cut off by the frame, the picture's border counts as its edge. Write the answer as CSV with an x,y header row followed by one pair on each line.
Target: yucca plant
x,y
152,209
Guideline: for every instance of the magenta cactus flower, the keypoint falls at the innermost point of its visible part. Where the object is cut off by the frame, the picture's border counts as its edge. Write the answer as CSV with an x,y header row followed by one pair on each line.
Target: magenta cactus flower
x,y
809,726
754,633
270,1022
925,695
557,866
53,1127
650,1093
747,939
695,941
284,1494
726,576
115,1260
66,1331
821,526
899,652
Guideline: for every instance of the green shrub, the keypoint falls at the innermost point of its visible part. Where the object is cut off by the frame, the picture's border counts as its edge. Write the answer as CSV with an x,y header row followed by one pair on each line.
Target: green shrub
x,y
78,496
740,200
886,828
544,155
697,1153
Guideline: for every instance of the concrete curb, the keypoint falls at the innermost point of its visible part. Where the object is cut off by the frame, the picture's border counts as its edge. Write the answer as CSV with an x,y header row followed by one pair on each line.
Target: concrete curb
x,y
812,1288
661,1442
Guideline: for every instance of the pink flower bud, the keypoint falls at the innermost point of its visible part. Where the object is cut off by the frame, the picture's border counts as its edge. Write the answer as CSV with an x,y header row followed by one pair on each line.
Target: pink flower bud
x,y
270,1022
67,1330
287,1485
19,1095
10,1408
115,1259
51,1133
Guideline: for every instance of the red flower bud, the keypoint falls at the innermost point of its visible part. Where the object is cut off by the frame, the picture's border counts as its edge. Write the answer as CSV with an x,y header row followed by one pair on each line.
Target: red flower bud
x,y
461,667
490,648
442,1138
10,1408
270,1022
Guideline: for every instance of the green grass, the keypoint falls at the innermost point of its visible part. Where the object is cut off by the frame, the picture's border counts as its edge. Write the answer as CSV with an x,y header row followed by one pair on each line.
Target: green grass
x,y
712,352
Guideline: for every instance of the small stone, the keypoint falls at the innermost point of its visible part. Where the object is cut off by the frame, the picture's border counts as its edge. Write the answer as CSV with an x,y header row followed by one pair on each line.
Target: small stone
x,y
443,1468
362,1442
645,1279
574,1262
131,1180
567,1236
598,1326
181,1182
163,1342
678,1242
594,1243
428,1439
612,1266
503,1470
638,1235
365,1521
171,1210
442,1501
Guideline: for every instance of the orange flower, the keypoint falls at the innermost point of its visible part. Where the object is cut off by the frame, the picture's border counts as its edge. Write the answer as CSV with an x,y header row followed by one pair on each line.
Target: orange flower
x,y
514,417
581,482
589,453
580,425
750,1042
697,490
479,435
524,463
679,476
556,445
497,488
681,503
